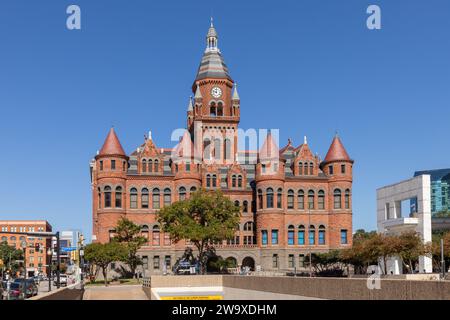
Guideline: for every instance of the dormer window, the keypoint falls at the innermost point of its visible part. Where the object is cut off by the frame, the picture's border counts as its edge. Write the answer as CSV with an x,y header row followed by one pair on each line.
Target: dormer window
x,y
144,166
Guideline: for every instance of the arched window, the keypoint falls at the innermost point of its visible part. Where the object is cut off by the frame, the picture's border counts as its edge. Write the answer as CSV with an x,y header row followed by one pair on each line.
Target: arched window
x,y
321,234
279,198
347,199
4,239
269,195
208,181
144,232
144,166
207,149
260,199
220,109
245,206
167,197
107,192
212,110
290,199
239,181
337,199
300,168
227,149
233,181
248,226
182,193
301,235
311,168
236,203
312,234
321,200
156,233
118,197
144,198
301,199
155,199
311,196
193,189
214,180
291,232
217,148
156,166
133,198
150,165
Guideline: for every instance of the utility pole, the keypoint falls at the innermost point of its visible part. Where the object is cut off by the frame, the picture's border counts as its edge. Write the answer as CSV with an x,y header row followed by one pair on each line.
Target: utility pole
x,y
58,261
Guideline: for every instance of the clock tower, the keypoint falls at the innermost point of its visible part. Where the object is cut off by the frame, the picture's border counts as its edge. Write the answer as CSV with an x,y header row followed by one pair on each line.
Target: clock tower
x,y
213,116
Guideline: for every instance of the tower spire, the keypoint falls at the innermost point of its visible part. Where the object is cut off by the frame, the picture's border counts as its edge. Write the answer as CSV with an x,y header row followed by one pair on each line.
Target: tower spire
x,y
212,39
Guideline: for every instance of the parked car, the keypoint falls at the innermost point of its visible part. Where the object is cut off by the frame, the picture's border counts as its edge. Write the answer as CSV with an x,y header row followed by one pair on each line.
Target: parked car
x,y
62,280
26,286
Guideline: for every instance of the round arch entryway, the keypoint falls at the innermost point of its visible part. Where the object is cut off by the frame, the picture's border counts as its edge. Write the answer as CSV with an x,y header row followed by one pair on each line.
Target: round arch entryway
x,y
231,262
249,262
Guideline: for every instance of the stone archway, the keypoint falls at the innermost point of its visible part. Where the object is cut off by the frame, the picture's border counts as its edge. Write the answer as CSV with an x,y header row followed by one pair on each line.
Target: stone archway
x,y
231,262
249,262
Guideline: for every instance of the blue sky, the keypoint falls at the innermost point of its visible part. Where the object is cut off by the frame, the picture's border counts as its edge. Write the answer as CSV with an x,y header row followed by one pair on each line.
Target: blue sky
x,y
305,67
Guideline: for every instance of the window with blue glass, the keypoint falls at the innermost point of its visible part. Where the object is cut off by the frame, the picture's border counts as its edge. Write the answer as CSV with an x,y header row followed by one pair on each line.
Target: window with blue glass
x,y
301,235
291,233
274,236
312,235
321,235
344,239
264,237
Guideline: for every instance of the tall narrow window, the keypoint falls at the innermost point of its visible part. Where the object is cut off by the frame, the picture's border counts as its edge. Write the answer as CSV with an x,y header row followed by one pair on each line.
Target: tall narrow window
x,y
207,149
227,149
101,165
150,165
275,261
236,203
212,110
274,236
167,197
155,199
219,109
133,198
182,193
330,169
264,237
245,206
321,235
343,168
347,199
321,200
279,198
301,200
144,198
208,181
233,181
144,166
217,147
344,239
311,168
263,168
193,189
156,262
337,199
269,198
239,181
99,200
260,199
119,197
214,180
301,235
156,166
291,261
107,192
312,234
311,199
113,164
156,235
290,199
291,232
300,168
188,166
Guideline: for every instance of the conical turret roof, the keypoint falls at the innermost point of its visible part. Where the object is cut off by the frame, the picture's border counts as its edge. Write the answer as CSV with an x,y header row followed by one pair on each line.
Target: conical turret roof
x,y
337,151
112,145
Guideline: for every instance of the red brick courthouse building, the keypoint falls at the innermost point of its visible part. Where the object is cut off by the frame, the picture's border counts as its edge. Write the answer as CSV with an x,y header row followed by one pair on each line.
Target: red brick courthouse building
x,y
291,201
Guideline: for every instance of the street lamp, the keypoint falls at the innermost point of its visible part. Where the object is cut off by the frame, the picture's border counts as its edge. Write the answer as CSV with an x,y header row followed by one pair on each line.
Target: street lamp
x,y
49,274
81,263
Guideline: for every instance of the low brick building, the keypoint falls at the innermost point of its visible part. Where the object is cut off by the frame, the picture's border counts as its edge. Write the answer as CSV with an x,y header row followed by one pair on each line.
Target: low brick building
x,y
291,201
35,247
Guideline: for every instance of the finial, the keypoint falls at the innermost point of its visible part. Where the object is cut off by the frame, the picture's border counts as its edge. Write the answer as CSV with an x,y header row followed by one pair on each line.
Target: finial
x,y
212,24
305,140
336,134
98,152
289,141
150,134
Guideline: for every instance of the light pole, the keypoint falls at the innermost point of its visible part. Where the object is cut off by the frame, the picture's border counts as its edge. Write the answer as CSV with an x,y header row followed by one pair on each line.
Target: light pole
x,y
442,259
24,247
49,274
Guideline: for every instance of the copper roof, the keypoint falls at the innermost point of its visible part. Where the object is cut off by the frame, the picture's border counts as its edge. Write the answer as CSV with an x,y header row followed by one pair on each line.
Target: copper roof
x,y
336,151
112,145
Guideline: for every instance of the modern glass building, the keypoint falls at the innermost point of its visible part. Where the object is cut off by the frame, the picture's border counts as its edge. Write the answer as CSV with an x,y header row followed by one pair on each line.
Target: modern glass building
x,y
440,189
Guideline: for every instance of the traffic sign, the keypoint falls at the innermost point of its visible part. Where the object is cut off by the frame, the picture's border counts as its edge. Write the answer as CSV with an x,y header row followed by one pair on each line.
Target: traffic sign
x,y
68,249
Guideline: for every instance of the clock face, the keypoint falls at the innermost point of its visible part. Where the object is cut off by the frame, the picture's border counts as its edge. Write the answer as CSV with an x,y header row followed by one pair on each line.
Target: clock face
x,y
216,92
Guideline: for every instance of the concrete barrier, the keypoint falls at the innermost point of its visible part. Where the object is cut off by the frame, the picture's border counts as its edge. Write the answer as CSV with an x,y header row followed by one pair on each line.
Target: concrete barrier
x,y
322,288
72,292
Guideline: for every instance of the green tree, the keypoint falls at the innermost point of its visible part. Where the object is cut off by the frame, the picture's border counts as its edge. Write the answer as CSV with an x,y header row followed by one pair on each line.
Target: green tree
x,y
442,214
206,217
9,255
436,249
409,247
102,255
129,234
